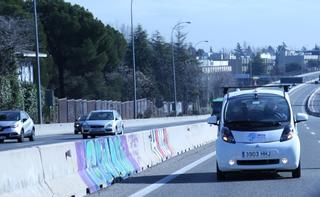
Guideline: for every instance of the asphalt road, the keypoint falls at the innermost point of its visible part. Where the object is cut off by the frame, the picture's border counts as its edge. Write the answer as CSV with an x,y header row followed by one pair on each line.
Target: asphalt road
x,y
314,102
194,173
51,139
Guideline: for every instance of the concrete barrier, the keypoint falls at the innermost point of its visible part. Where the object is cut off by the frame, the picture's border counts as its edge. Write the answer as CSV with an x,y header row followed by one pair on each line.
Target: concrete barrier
x,y
131,159
136,146
22,174
59,162
83,171
67,128
149,147
167,142
187,137
122,156
86,166
115,159
105,161
155,148
166,153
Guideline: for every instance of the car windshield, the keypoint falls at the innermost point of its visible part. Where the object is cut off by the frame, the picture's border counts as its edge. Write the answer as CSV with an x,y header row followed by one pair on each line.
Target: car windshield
x,y
257,112
9,116
101,116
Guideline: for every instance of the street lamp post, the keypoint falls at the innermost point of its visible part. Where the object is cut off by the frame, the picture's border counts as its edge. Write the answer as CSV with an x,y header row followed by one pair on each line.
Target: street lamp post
x,y
38,62
173,63
134,66
195,46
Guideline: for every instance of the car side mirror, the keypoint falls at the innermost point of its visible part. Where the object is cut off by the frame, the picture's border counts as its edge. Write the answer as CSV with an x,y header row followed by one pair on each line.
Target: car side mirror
x,y
25,119
213,120
301,117
116,118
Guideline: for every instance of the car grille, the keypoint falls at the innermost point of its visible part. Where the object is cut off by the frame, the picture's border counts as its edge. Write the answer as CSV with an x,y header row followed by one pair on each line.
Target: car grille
x,y
3,128
96,126
258,162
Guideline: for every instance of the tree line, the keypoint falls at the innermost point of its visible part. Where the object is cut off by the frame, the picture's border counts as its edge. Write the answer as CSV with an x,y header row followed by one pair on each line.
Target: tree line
x,y
88,59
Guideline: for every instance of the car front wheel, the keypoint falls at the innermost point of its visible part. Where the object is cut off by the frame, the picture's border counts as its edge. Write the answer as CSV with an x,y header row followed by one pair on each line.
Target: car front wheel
x,y
21,137
33,135
220,175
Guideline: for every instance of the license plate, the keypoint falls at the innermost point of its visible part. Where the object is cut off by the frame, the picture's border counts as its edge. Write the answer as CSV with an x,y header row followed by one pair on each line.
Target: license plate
x,y
256,154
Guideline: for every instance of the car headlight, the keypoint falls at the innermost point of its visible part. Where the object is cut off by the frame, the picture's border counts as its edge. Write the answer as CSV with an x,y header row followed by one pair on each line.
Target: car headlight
x,y
85,126
14,126
108,125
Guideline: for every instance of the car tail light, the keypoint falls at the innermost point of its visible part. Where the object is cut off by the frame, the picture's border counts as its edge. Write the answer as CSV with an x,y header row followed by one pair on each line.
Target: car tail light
x,y
287,133
227,135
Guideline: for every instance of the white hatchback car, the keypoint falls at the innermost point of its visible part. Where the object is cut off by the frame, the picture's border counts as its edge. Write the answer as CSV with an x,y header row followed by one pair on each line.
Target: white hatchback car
x,y
257,131
102,122
16,125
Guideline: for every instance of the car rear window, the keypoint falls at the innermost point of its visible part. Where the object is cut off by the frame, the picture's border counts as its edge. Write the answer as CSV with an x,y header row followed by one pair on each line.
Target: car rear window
x,y
245,112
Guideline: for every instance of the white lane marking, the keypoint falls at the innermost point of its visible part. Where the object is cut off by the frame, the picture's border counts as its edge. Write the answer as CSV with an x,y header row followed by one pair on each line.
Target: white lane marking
x,y
319,141
313,133
308,128
147,190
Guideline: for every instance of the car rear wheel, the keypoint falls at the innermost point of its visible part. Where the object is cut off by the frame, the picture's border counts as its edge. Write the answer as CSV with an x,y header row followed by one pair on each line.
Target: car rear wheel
x,y
1,141
21,137
76,132
297,172
84,136
220,175
122,130
33,135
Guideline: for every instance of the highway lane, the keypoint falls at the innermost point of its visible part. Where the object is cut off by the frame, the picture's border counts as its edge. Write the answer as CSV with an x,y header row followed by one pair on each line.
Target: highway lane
x,y
201,179
314,102
52,139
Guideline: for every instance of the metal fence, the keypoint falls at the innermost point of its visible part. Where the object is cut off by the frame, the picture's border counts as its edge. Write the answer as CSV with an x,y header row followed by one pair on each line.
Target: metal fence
x,y
69,109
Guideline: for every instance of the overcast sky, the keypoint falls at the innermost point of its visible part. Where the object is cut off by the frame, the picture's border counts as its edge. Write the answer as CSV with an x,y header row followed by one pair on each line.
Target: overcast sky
x,y
222,22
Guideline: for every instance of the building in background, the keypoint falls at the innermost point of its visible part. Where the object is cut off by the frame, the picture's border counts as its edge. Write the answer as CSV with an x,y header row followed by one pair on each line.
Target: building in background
x,y
308,60
25,69
269,61
215,66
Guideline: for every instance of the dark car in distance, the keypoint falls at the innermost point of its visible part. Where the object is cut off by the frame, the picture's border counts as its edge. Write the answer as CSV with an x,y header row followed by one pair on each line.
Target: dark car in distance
x,y
78,124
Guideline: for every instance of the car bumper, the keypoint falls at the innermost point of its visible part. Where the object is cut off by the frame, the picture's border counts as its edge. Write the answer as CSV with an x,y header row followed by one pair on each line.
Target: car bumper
x,y
231,157
102,131
9,135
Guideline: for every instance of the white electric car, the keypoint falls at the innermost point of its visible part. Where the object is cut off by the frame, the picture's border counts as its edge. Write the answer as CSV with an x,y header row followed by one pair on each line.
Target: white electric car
x,y
257,131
